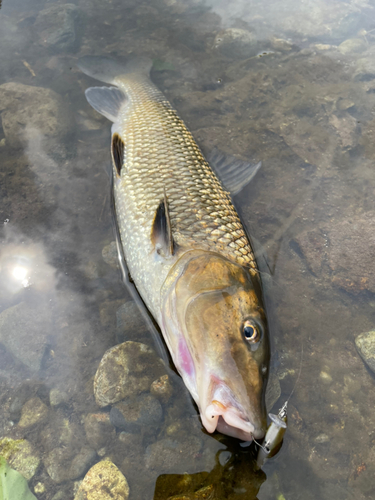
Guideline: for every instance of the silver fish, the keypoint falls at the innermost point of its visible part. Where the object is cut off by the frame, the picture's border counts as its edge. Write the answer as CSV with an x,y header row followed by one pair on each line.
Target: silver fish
x,y
186,249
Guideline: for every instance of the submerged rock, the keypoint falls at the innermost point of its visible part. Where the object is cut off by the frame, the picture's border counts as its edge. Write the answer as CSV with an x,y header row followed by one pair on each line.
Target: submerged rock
x,y
25,391
236,43
62,465
99,430
34,412
58,398
103,481
365,344
20,455
133,413
130,323
126,370
110,255
162,388
26,107
352,46
56,27
169,454
23,331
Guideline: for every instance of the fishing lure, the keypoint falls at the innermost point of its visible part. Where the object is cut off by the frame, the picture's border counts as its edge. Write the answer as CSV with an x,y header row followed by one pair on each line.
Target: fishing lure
x,y
275,433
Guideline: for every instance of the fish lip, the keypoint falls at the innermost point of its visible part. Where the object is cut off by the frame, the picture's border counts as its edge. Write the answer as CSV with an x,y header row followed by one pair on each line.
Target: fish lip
x,y
225,414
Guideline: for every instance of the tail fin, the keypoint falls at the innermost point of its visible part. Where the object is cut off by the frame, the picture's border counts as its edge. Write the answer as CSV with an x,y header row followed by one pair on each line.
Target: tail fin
x,y
107,70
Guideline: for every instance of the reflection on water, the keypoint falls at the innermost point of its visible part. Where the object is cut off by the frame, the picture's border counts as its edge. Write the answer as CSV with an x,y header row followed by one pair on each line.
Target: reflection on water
x,y
306,110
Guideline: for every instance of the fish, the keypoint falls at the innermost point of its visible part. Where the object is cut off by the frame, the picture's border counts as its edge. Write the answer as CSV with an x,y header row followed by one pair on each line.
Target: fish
x,y
185,247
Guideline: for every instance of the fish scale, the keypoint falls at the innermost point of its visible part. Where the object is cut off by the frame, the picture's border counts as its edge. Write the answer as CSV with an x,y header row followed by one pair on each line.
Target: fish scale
x,y
161,154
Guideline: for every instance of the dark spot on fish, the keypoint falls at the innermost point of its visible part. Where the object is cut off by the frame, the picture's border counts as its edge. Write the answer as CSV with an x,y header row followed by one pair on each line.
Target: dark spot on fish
x,y
161,233
118,152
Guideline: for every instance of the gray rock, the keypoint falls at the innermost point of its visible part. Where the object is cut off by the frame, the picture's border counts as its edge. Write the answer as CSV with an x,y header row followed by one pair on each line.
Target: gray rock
x,y
62,465
56,27
365,344
99,430
103,481
347,247
236,43
169,454
352,46
129,322
20,455
58,398
34,412
24,108
126,370
24,330
133,413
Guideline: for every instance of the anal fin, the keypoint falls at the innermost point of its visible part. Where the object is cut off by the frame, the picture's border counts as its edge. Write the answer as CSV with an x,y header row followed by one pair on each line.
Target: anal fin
x,y
161,232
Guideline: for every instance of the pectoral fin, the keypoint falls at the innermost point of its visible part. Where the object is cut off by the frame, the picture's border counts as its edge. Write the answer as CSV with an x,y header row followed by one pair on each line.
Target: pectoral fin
x,y
233,173
161,233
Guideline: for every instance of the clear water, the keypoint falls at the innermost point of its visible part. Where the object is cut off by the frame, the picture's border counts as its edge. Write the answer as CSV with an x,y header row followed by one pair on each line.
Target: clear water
x,y
297,92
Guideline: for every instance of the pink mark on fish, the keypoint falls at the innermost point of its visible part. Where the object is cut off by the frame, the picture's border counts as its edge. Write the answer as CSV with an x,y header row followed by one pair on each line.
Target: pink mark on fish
x,y
185,360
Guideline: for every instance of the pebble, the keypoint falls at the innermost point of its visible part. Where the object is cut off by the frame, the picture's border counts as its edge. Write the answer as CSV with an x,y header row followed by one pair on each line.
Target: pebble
x,y
365,344
34,412
20,455
162,388
325,377
24,330
39,488
99,430
170,454
126,370
25,108
56,27
133,413
236,43
103,481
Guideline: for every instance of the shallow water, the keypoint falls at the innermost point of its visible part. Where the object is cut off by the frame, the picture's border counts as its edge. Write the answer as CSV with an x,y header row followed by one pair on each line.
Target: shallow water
x,y
296,90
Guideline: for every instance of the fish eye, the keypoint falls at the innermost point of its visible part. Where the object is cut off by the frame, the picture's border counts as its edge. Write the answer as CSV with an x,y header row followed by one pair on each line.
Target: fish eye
x,y
251,332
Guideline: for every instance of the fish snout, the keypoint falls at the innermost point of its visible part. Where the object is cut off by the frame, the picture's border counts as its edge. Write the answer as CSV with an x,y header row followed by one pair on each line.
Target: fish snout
x,y
225,415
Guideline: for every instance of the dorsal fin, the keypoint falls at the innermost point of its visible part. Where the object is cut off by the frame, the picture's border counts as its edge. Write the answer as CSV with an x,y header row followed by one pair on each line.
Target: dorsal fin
x,y
118,152
161,233
233,173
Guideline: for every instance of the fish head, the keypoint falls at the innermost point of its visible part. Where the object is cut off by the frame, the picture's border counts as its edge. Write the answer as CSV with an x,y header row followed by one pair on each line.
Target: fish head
x,y
215,327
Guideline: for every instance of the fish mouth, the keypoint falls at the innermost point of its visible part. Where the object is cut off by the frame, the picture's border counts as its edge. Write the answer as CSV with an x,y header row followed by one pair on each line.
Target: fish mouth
x,y
225,415
227,420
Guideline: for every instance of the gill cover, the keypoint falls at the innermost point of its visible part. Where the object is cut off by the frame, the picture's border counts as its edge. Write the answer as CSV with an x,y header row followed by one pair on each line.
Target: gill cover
x,y
216,331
